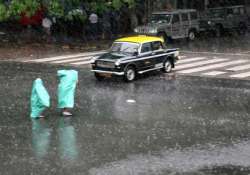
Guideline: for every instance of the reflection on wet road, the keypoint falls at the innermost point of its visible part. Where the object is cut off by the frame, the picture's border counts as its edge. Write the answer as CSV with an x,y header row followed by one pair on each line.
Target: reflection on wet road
x,y
190,160
40,138
159,124
67,139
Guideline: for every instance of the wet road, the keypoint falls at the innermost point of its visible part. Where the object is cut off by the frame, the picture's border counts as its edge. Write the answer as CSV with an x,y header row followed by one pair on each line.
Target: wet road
x,y
160,124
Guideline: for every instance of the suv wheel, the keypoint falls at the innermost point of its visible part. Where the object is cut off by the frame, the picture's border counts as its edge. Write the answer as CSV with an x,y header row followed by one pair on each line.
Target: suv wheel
x,y
167,66
130,74
191,35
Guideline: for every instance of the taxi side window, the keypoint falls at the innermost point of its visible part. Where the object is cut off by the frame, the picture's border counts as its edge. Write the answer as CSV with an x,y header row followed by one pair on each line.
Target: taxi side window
x,y
146,47
157,45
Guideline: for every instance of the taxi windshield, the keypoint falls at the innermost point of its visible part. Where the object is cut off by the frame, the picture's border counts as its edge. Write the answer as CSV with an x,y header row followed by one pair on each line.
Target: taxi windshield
x,y
160,18
125,47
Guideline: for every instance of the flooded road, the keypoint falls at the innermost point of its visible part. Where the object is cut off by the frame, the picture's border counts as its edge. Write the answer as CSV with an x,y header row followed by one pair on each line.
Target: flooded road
x,y
160,124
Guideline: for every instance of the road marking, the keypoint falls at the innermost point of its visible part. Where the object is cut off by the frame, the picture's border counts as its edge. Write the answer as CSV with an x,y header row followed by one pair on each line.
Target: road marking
x,y
73,60
213,73
181,57
184,66
187,60
49,59
213,66
237,68
81,63
215,53
241,75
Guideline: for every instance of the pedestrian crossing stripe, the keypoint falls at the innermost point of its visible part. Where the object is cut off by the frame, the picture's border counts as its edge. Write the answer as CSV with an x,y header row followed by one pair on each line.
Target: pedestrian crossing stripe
x,y
72,60
184,66
64,57
188,60
214,73
238,68
81,63
241,75
210,67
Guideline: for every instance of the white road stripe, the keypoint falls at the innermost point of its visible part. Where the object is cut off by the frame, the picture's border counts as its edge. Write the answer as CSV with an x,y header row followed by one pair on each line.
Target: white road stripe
x,y
181,57
187,60
237,68
213,66
184,66
214,73
241,75
66,57
81,63
72,60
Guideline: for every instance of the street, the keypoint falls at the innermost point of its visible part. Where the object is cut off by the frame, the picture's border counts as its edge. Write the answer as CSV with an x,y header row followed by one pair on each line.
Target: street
x,y
227,57
193,121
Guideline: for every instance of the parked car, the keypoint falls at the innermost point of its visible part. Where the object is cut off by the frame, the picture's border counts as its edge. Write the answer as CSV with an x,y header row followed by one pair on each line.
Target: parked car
x,y
134,55
172,24
222,19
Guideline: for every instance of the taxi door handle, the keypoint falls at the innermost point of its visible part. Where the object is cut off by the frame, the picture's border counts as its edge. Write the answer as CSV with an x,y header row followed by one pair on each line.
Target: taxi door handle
x,y
153,53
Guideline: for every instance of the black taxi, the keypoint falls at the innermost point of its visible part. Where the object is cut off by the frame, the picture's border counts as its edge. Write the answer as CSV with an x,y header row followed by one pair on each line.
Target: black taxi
x,y
134,55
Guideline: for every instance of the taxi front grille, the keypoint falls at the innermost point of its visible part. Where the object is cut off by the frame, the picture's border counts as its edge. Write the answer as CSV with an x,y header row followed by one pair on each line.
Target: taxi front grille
x,y
105,64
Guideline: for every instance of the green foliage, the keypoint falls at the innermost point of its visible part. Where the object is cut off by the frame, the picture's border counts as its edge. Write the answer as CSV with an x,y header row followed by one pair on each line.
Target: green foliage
x,y
66,9
98,6
76,14
117,4
55,8
16,7
3,12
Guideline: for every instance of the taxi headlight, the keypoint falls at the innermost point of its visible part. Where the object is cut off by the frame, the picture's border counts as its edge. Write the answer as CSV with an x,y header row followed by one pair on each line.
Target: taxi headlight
x,y
118,62
136,30
209,22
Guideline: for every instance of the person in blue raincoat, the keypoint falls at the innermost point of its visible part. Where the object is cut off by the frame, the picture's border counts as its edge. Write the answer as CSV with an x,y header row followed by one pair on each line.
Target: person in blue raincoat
x,y
40,99
66,90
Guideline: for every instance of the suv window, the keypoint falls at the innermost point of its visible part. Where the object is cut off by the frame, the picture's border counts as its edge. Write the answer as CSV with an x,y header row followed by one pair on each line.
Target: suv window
x,y
157,45
176,19
236,11
242,11
146,47
184,16
193,15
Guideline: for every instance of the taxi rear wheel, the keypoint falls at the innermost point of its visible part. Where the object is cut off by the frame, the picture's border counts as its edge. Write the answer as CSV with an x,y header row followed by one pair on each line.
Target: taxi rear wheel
x,y
130,74
98,76
167,66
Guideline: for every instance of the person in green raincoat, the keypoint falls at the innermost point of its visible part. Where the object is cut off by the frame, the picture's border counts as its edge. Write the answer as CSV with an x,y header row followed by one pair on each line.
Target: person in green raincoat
x,y
66,90
40,99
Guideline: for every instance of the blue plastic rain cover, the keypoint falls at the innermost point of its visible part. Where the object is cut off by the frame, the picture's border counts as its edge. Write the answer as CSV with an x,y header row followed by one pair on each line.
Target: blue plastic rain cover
x,y
40,99
66,88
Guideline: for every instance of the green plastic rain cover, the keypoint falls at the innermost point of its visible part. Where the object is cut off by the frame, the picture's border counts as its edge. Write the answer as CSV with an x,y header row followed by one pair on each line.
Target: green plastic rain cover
x,y
66,88
40,99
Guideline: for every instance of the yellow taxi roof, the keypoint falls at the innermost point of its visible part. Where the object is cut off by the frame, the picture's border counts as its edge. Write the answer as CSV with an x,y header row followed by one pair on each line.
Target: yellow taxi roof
x,y
139,39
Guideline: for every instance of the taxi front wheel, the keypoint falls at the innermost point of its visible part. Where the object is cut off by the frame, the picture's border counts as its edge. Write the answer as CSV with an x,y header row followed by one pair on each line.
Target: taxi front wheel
x,y
167,66
130,74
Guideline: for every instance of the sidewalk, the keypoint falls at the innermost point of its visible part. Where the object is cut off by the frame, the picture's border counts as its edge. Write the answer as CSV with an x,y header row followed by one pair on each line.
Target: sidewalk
x,y
21,47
